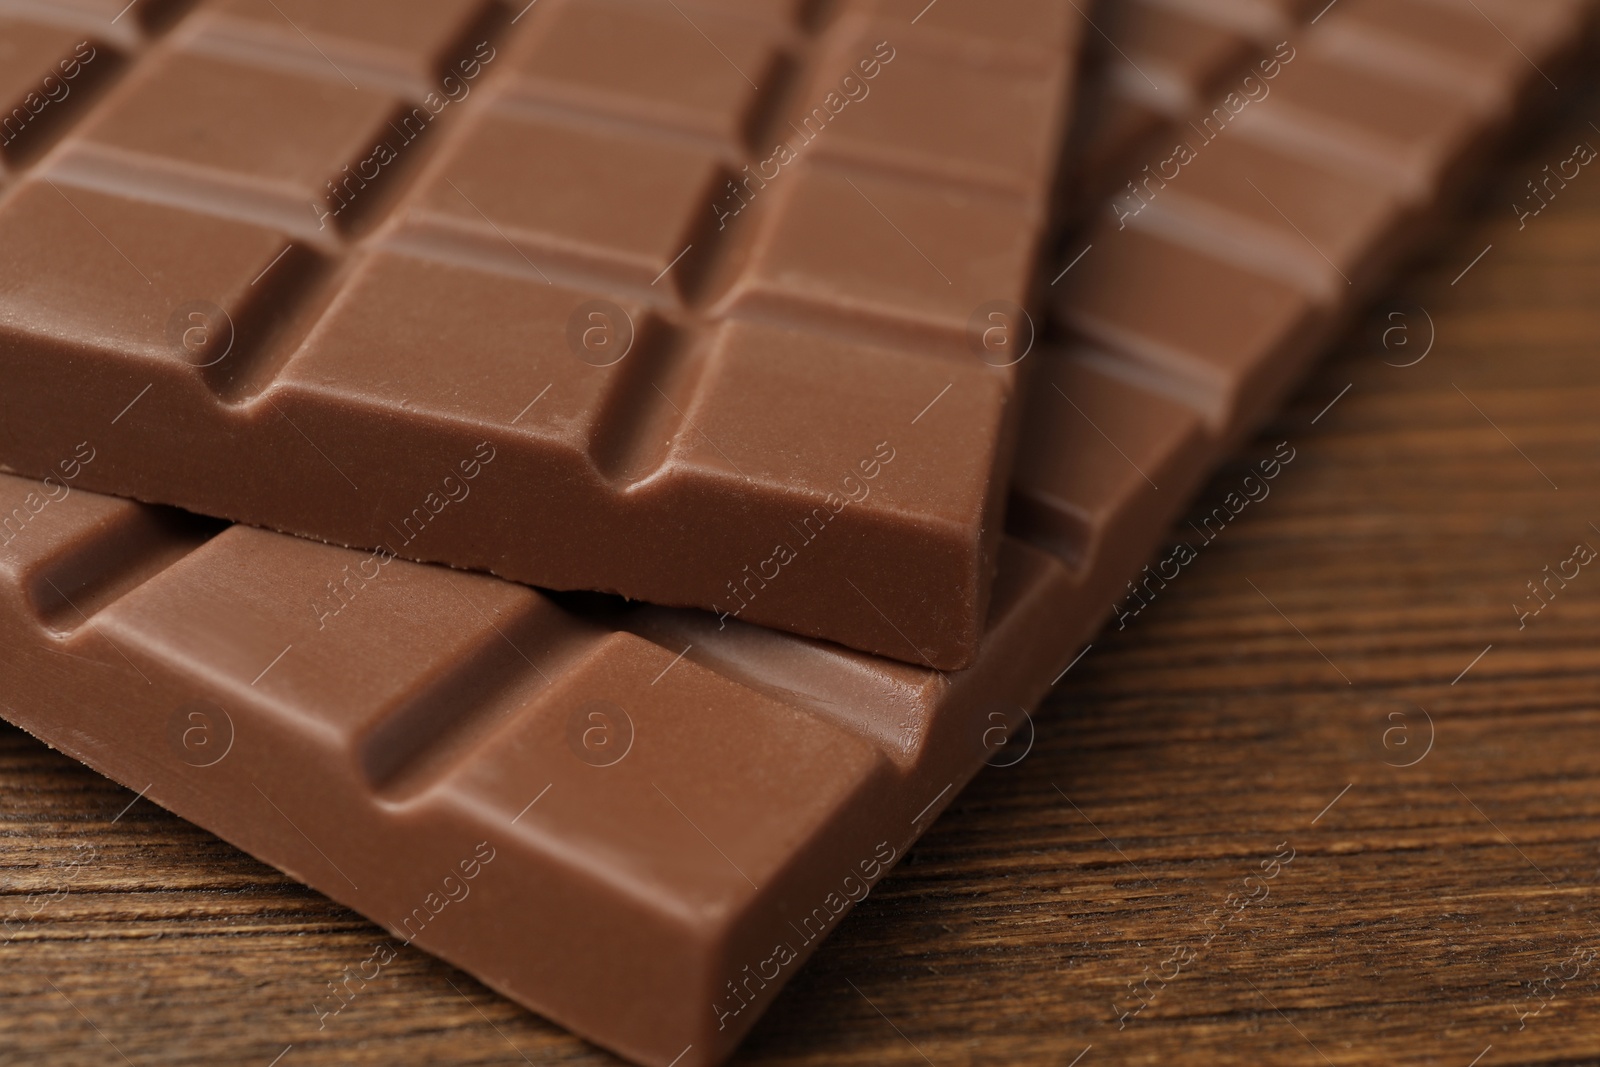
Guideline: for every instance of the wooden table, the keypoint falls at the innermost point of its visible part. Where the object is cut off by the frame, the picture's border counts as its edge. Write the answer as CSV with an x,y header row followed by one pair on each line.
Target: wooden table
x,y
1328,800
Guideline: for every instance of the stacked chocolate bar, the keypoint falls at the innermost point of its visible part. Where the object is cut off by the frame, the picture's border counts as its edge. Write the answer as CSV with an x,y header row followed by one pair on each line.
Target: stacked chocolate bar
x,y
873,343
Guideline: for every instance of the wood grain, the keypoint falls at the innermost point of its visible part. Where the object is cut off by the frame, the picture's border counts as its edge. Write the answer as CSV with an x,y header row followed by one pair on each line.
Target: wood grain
x,y
1439,913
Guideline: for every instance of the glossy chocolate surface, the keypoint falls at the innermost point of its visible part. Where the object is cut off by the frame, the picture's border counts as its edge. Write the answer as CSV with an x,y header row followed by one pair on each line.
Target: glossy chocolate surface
x,y
637,820
728,291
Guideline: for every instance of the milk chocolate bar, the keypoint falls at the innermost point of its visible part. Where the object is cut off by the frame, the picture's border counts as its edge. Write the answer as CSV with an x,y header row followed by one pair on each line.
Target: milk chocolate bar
x,y
689,273
635,820
641,820
1155,60
1294,194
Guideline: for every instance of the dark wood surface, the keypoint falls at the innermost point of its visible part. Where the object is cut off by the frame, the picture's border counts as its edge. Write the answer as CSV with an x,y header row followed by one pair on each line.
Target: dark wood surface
x,y
1115,897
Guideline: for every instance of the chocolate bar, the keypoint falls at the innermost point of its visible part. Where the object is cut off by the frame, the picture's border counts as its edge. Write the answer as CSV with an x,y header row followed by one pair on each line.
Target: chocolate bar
x,y
602,295
1155,61
637,820
1295,194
